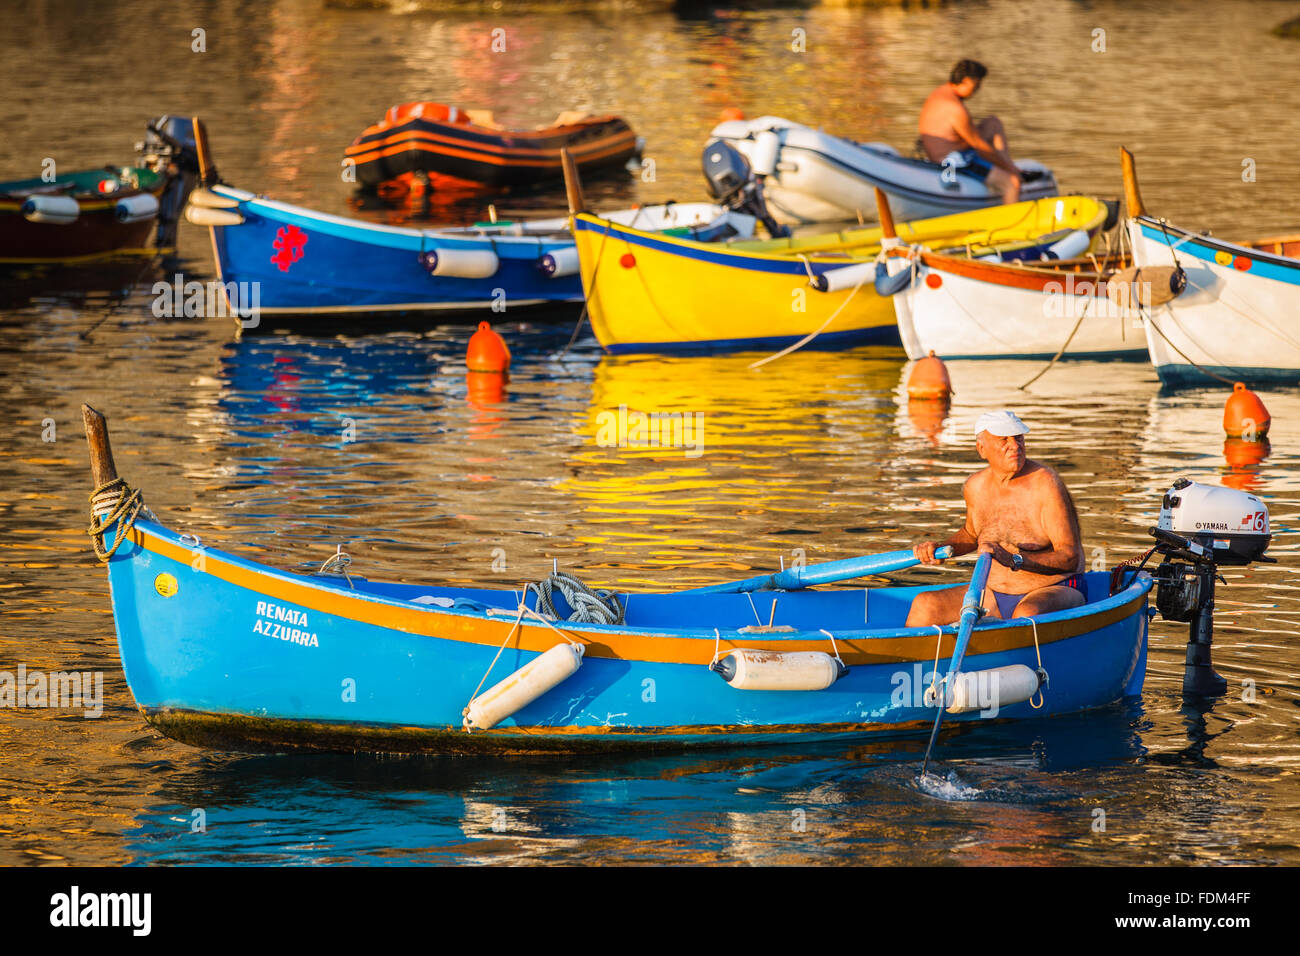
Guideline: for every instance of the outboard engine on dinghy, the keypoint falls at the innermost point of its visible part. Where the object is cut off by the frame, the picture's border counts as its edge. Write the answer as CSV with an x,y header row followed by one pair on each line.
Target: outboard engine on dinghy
x,y
1203,527
732,183
168,147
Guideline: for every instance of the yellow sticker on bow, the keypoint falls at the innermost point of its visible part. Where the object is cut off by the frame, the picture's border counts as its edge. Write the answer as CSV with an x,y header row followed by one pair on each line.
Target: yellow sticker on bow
x,y
165,585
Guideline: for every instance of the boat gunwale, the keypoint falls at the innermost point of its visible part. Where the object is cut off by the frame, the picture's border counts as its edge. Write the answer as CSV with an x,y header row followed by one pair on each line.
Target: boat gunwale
x,y
1158,226
792,259
990,636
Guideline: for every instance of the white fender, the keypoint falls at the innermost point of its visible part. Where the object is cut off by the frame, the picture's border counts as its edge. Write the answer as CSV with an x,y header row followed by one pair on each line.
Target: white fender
x,y
845,277
561,262
1068,247
59,210
992,689
523,686
462,263
762,157
136,208
748,669
203,196
204,216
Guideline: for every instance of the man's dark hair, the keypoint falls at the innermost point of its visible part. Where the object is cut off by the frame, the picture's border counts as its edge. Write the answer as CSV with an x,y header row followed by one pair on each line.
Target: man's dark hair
x,y
964,68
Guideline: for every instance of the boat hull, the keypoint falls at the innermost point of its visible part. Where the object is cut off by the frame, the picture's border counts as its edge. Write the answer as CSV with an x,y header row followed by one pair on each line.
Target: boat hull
x,y
1236,318
963,309
432,138
649,293
307,263
220,651
824,178
95,233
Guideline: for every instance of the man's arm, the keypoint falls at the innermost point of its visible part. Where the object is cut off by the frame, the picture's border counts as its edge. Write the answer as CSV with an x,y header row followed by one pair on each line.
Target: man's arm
x,y
963,127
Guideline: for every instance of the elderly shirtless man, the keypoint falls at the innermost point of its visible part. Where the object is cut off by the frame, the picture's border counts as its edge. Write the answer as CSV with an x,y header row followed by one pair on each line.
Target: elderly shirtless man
x,y
946,128
1021,512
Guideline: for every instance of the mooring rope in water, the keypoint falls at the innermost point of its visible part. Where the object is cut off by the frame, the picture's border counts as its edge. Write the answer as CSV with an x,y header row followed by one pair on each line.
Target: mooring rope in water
x,y
156,257
586,299
120,502
589,606
812,335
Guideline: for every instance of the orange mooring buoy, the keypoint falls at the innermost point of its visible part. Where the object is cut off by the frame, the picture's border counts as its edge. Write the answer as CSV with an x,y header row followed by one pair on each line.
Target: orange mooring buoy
x,y
929,379
1244,415
487,351
732,113
1243,457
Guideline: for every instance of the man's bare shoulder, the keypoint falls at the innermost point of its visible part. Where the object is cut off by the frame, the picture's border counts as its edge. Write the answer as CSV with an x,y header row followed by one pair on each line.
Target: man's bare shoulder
x,y
1044,476
975,482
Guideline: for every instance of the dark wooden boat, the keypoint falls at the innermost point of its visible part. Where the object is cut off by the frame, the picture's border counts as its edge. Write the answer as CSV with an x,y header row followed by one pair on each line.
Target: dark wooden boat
x,y
468,145
111,210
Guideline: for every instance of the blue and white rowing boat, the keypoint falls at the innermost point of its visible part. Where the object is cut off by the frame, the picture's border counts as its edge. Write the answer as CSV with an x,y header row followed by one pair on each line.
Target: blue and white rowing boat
x,y
274,258
222,651
311,263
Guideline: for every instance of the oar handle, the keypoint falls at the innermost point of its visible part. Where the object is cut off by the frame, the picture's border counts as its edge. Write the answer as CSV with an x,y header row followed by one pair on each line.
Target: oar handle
x,y
827,572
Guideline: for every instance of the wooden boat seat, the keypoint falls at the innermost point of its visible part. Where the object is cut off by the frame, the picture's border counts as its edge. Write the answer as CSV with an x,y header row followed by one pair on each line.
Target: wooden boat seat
x,y
1288,246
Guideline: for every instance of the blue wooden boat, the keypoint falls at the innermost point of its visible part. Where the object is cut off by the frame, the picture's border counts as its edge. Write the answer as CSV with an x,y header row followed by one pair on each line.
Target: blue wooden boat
x,y
222,651
274,258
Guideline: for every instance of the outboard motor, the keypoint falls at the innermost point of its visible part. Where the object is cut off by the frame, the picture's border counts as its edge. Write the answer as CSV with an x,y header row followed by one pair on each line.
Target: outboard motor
x,y
1200,528
168,148
732,183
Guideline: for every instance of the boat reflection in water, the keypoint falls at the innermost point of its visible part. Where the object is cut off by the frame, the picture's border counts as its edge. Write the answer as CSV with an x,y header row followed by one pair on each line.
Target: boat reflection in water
x,y
1016,788
698,453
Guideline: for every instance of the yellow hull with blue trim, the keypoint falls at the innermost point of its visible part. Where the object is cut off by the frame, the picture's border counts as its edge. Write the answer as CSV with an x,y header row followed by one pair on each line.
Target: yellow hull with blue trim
x,y
648,292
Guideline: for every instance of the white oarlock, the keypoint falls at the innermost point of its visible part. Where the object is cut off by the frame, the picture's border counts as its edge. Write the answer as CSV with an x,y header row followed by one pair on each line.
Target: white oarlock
x,y
992,689
136,208
57,210
749,669
523,686
561,262
762,158
462,263
205,216
845,277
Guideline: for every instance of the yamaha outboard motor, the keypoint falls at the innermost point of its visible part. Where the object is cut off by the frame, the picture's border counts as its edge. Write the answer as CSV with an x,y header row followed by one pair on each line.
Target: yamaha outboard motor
x,y
168,148
733,184
1200,528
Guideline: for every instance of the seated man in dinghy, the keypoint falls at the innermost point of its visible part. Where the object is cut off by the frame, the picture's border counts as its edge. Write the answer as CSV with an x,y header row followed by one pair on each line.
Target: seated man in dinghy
x,y
1021,512
948,136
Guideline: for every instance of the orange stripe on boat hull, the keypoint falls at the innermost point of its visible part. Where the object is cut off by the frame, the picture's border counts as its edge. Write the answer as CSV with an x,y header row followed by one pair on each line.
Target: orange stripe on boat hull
x,y
582,153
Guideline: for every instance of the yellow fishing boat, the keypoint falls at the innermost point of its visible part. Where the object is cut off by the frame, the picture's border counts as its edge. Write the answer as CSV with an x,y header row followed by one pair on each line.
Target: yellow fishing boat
x,y
652,293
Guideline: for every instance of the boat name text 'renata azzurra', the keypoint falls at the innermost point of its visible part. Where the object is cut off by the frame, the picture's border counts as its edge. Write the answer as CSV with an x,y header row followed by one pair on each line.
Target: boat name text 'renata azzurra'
x,y
270,614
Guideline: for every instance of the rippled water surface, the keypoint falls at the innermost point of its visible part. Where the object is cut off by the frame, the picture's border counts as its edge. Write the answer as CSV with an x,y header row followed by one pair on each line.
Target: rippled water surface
x,y
242,440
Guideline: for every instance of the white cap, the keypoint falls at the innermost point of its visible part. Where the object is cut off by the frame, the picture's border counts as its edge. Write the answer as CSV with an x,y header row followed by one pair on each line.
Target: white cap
x,y
1003,423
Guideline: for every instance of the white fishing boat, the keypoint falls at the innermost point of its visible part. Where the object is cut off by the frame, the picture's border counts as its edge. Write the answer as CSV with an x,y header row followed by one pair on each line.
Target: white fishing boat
x,y
1236,317
812,176
991,306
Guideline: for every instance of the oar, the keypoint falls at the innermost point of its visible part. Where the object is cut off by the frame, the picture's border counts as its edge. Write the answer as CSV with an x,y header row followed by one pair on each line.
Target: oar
x,y
970,613
792,579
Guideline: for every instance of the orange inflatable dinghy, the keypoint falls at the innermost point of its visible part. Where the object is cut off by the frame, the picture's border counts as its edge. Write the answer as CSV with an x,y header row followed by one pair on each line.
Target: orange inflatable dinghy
x,y
467,144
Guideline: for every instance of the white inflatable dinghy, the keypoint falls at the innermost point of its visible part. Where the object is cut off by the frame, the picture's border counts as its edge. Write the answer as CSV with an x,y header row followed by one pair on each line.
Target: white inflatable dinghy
x,y
812,176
